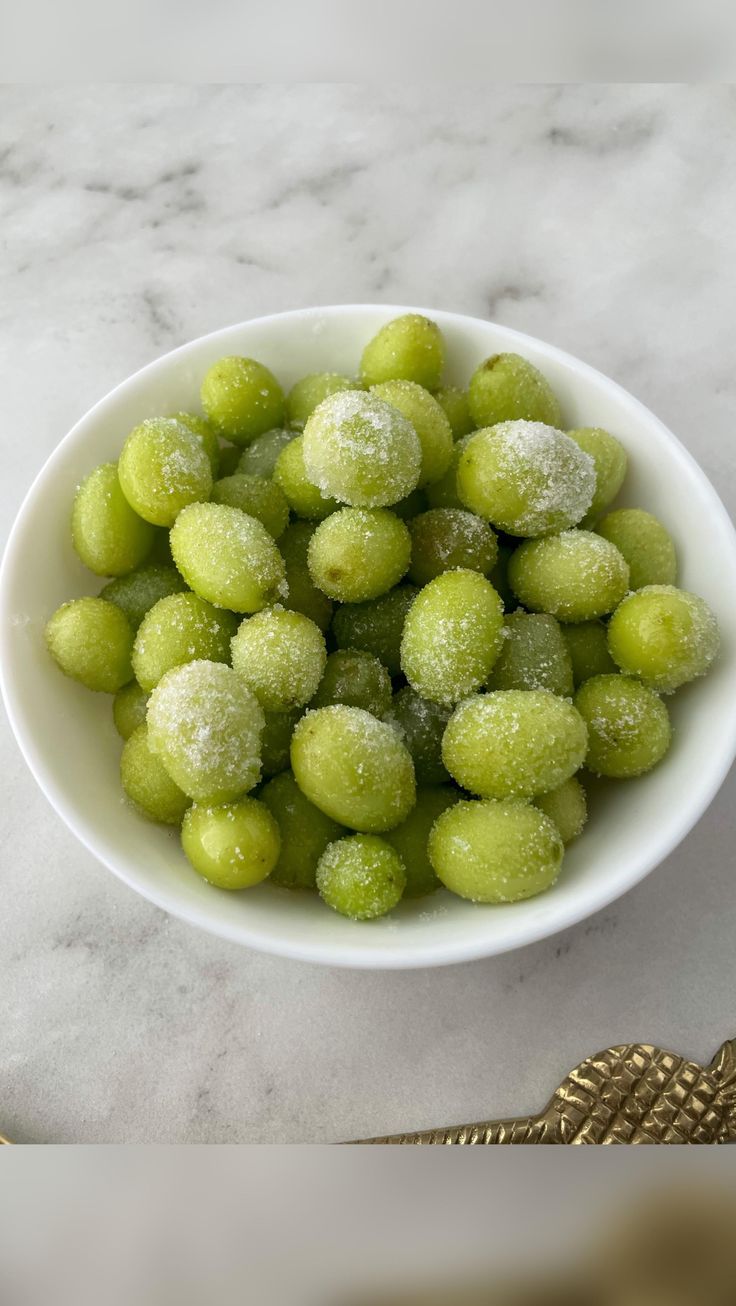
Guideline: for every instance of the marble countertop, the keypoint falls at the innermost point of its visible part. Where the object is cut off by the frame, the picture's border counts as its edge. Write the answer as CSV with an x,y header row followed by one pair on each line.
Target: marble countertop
x,y
135,218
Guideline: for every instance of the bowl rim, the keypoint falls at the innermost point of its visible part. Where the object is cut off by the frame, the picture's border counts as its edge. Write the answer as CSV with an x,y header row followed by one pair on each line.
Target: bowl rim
x,y
569,913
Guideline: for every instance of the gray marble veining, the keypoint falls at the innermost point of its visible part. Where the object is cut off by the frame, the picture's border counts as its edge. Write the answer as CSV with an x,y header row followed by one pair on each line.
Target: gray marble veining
x,y
135,218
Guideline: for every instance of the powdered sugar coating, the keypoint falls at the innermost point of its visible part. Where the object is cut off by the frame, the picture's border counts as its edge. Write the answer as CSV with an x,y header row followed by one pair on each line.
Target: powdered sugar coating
x,y
163,467
452,636
227,557
361,451
280,655
525,477
575,576
495,851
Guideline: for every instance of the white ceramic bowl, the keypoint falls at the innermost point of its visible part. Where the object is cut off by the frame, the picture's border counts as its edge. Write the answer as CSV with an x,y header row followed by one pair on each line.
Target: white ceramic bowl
x,y
67,736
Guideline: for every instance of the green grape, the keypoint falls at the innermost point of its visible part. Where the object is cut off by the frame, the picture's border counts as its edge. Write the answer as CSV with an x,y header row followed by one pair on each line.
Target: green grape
x,y
206,434
495,851
231,456
645,543
455,406
361,877
443,493
628,726
408,348
303,595
499,573
359,553
421,724
162,468
308,393
136,593
227,557
533,656
410,839
411,506
353,767
242,399
443,539
452,636
276,741
233,846
206,726
302,495
129,709
259,498
525,477
180,628
259,459
429,421
361,450
91,641
148,784
376,627
567,807
280,656
576,576
514,743
305,832
610,460
663,635
109,537
506,388
357,679
587,644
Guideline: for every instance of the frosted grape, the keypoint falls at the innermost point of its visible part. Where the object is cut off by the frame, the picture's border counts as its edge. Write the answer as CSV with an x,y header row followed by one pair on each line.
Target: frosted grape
x,y
429,421
356,678
443,539
645,543
576,576
257,497
376,627
136,593
91,640
454,404
587,644
242,399
162,468
567,807
408,348
361,450
280,655
628,726
495,851
359,553
233,846
533,656
410,839
206,434
609,457
129,709
108,535
305,832
308,393
361,876
303,496
663,635
180,628
227,557
259,458
506,388
421,724
303,595
148,784
452,636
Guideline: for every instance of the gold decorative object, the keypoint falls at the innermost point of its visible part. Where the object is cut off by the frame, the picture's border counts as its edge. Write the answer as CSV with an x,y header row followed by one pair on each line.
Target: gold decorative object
x,y
635,1093
3,1140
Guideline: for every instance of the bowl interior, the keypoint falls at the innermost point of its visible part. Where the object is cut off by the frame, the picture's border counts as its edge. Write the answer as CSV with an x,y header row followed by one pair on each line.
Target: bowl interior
x,y
70,743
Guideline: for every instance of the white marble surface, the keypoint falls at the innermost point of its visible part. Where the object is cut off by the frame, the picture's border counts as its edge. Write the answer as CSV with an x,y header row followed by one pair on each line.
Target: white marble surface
x,y
131,220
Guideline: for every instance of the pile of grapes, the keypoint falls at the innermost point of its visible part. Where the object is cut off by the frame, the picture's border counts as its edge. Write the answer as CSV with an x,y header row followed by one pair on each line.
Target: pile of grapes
x,y
363,637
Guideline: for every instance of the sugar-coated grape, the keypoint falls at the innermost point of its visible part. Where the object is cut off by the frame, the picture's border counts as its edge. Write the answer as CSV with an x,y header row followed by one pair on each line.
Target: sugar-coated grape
x,y
567,807
443,539
361,450
429,421
308,393
147,783
302,495
506,387
129,709
587,644
361,876
443,493
575,576
261,499
376,627
136,593
233,846
610,460
91,640
108,535
645,543
163,467
663,635
353,767
259,458
242,399
356,678
227,557
526,477
180,628
359,553
408,348
495,851
514,743
452,636
230,459
533,655
421,724
280,655
207,435
628,726
305,832
276,741
410,839
455,406
206,727
303,595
